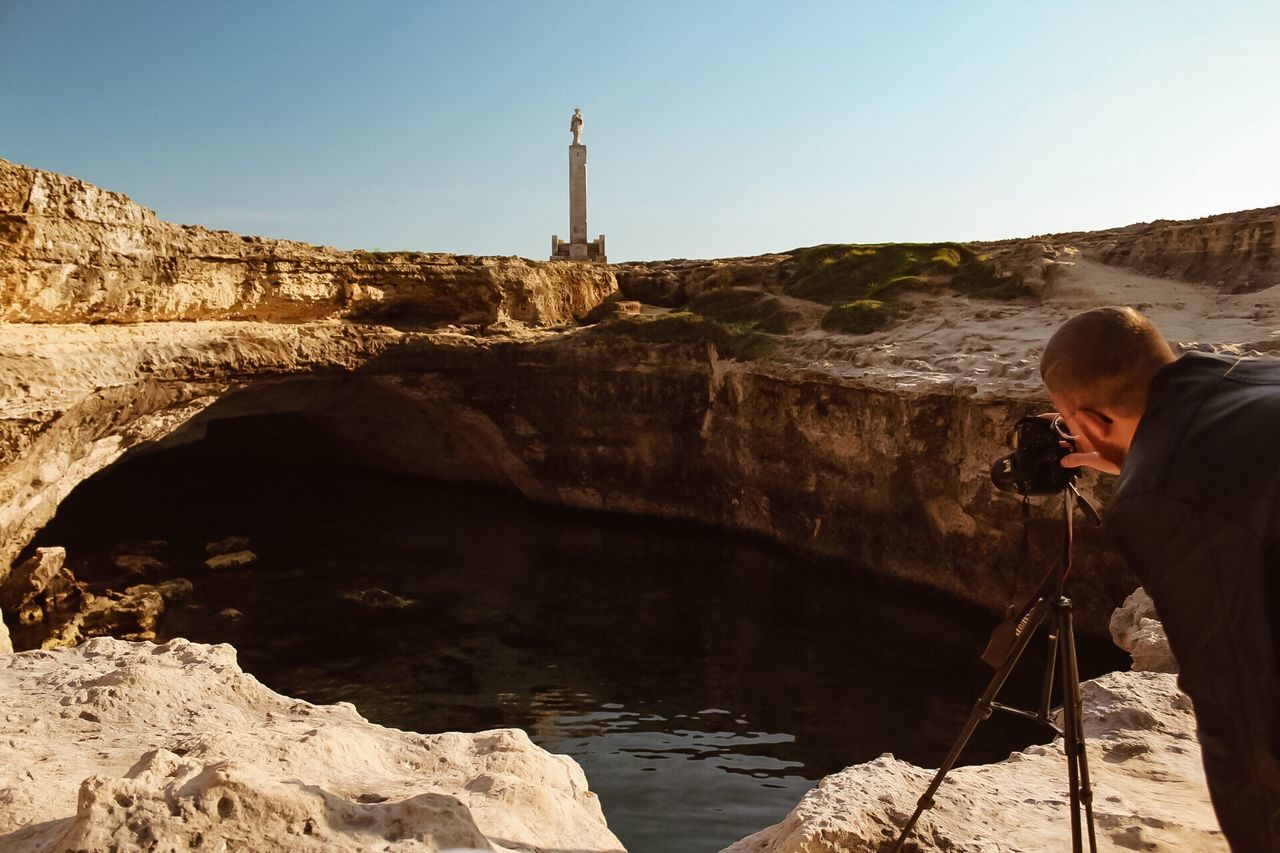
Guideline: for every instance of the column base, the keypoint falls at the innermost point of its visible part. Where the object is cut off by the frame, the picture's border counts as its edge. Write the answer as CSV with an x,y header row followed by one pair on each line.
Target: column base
x,y
591,251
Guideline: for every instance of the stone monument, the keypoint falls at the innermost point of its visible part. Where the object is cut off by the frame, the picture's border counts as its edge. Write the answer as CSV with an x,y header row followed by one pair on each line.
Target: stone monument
x,y
578,248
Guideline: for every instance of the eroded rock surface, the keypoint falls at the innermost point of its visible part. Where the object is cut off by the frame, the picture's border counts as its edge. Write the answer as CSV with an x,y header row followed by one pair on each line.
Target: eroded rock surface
x,y
30,578
1136,628
167,800
77,253
118,743
1231,252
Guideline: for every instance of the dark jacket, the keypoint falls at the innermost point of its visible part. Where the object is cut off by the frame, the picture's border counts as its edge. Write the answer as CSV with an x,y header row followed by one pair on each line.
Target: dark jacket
x,y
1196,513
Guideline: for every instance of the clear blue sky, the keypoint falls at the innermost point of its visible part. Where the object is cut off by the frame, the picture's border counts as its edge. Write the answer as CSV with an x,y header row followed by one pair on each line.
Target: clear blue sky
x,y
714,128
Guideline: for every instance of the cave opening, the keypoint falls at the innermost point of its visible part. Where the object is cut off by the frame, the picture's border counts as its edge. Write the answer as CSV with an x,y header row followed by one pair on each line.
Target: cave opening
x,y
704,680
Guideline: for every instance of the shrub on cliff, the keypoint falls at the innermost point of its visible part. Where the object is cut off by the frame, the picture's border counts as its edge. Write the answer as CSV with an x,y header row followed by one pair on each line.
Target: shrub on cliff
x,y
858,317
839,274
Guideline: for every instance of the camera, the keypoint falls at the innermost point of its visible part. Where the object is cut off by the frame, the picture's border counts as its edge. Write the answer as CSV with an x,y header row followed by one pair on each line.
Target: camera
x,y
1034,467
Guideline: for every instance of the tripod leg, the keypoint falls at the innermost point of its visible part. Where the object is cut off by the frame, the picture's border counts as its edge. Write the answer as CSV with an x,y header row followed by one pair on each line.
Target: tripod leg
x,y
981,711
1071,685
1046,690
1070,721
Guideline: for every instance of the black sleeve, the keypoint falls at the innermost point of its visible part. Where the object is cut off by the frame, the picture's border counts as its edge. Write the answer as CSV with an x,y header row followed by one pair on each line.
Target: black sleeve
x,y
1208,579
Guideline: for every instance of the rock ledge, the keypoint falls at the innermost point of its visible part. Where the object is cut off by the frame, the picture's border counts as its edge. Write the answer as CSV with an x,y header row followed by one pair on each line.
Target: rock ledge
x,y
119,745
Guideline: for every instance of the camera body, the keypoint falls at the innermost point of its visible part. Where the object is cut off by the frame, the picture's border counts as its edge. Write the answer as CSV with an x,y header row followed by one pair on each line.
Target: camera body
x,y
1034,467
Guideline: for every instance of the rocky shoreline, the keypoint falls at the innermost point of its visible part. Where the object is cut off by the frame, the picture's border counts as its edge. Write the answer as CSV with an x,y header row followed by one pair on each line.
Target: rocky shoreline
x,y
122,745
117,745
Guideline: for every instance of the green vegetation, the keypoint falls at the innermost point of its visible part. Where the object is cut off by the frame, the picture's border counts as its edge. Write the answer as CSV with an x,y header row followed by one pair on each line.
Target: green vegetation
x,y
838,274
858,317
862,282
736,341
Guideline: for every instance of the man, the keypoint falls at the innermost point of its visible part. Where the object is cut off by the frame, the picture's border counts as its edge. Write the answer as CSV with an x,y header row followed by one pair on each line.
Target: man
x,y
1196,513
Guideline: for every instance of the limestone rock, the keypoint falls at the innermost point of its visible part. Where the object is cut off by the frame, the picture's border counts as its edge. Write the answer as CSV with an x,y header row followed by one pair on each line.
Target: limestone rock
x,y
132,743
42,585
6,643
379,599
170,590
1135,627
226,545
232,560
131,614
138,564
165,798
75,252
652,284
30,578
1144,760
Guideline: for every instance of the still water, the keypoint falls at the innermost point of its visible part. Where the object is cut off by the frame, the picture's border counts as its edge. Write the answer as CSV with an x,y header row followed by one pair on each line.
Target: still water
x,y
703,681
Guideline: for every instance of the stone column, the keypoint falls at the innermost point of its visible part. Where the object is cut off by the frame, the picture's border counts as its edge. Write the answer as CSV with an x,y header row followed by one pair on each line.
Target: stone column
x,y
578,202
578,248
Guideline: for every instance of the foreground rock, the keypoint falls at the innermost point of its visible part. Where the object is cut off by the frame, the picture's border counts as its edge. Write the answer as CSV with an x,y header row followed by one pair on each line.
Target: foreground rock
x,y
168,800
1149,789
30,578
1136,628
117,745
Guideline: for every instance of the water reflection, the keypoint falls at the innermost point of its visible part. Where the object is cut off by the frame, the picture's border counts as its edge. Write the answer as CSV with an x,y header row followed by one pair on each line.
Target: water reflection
x,y
726,772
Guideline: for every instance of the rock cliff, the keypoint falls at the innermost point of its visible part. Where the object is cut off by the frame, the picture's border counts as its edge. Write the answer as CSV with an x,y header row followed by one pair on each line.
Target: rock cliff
x,y
75,253
1231,252
741,406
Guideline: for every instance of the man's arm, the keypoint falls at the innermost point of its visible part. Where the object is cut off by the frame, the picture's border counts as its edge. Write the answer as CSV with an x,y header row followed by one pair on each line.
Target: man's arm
x,y
1210,584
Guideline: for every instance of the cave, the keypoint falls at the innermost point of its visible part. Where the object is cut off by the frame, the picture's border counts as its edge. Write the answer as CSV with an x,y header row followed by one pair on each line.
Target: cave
x,y
695,672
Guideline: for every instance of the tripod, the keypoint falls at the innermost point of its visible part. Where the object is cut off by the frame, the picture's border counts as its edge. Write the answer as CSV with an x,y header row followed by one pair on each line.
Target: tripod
x,y
1050,607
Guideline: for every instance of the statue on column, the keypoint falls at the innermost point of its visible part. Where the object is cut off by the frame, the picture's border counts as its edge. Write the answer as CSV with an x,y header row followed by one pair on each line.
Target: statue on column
x,y
575,126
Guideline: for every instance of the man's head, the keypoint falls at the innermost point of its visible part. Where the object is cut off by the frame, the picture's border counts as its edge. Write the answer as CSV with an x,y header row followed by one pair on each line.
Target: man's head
x,y
1098,368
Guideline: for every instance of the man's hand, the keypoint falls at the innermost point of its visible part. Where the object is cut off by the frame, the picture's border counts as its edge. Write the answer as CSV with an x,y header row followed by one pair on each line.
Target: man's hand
x,y
1083,455
1089,459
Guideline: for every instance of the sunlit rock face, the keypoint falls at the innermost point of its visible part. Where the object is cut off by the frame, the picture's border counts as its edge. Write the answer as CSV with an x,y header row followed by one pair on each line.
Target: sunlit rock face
x,y
118,745
1135,627
75,253
1233,252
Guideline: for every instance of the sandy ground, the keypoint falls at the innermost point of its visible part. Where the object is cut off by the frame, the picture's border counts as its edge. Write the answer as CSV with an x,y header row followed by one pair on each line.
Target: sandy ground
x,y
992,348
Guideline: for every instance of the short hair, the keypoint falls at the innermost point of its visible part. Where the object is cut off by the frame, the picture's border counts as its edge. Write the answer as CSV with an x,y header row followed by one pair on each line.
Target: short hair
x,y
1105,359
